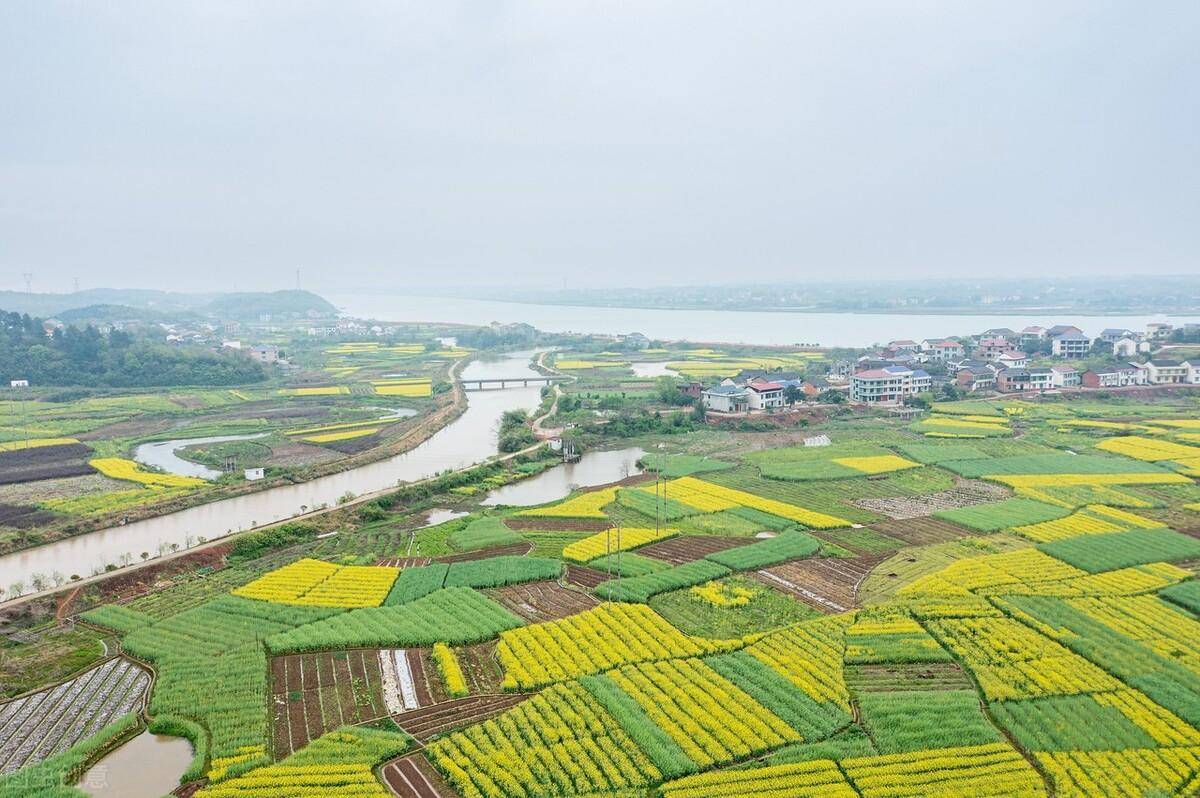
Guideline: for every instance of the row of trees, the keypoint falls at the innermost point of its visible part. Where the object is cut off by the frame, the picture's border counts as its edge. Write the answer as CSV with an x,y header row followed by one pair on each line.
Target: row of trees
x,y
84,356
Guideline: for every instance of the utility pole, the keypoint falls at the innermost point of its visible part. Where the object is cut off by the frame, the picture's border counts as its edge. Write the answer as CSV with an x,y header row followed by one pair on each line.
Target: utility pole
x,y
23,387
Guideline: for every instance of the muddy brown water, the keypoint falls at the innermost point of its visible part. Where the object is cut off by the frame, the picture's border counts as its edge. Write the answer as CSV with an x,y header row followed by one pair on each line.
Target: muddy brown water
x,y
148,766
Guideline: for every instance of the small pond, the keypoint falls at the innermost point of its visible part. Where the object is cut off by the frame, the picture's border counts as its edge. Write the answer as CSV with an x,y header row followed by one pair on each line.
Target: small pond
x,y
148,766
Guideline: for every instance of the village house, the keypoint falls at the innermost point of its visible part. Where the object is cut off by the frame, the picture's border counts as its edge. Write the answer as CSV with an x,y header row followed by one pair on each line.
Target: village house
x,y
1065,376
726,398
991,348
1158,330
1167,372
1129,347
1063,329
976,378
1014,380
1031,336
888,385
904,344
1071,345
1110,335
941,351
264,354
1012,360
1112,377
763,395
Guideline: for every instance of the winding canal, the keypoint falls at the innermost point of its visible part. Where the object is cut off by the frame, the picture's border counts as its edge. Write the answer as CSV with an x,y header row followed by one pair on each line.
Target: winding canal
x,y
469,439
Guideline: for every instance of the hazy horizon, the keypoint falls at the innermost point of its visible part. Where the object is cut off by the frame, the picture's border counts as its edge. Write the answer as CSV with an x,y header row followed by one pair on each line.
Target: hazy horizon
x,y
212,146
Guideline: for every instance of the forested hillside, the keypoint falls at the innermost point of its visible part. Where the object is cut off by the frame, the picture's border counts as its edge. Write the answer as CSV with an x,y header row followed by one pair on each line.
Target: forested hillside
x,y
83,356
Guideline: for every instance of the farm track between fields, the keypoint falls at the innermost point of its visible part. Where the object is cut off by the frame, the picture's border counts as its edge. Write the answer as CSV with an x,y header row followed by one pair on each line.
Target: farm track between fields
x,y
690,548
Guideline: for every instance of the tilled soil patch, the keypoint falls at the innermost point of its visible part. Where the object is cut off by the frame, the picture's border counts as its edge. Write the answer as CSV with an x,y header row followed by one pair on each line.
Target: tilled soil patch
x,y
689,548
23,516
480,667
427,722
45,462
829,584
584,577
413,776
922,531
315,693
557,524
518,549
542,601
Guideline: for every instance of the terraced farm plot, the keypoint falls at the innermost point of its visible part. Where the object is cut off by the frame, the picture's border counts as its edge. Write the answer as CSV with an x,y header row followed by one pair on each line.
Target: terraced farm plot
x,y
48,722
827,584
689,548
542,601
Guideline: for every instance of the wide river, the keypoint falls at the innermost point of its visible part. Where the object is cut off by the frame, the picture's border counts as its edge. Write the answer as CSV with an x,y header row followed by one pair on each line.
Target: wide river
x,y
470,438
732,326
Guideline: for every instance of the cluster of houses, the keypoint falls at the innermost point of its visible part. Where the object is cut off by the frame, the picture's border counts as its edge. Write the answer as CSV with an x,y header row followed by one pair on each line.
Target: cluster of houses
x,y
998,360
757,391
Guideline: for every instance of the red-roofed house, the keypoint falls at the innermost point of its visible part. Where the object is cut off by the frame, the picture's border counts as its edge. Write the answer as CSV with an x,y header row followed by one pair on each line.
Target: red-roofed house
x,y
764,395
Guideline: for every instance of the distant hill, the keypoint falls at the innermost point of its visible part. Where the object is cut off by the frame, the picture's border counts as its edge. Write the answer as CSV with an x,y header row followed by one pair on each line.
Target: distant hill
x,y
135,303
278,303
94,314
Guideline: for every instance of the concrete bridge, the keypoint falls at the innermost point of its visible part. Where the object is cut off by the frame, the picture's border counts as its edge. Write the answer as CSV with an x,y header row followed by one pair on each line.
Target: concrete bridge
x,y
507,382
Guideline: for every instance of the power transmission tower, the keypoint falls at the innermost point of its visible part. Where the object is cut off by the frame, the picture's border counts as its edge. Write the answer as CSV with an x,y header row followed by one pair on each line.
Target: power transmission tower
x,y
297,279
76,282
28,281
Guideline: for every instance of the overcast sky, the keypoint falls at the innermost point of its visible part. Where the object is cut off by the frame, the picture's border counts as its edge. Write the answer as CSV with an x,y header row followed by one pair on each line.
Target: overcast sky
x,y
203,145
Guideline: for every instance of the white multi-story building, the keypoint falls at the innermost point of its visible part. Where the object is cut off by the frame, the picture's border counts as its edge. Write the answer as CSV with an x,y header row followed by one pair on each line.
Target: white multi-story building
x,y
1071,345
888,385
